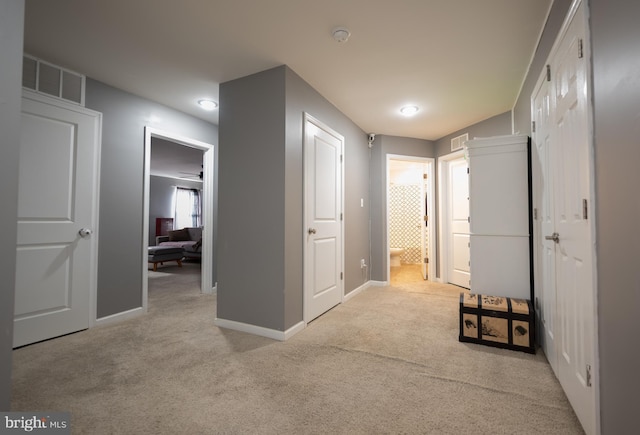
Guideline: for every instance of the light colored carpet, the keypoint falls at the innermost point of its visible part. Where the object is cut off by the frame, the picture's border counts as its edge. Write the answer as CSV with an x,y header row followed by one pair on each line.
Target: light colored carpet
x,y
386,361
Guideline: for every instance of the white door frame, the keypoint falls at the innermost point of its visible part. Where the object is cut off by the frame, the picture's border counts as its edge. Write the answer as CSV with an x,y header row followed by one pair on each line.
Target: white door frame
x,y
443,212
326,128
95,206
207,211
430,162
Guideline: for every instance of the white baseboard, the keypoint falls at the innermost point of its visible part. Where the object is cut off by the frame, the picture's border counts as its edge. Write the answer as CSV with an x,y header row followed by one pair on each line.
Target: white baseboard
x,y
378,283
120,317
259,330
356,291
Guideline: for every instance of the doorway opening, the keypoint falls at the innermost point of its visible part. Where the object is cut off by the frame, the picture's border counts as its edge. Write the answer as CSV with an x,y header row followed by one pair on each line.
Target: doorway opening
x,y
410,229
453,206
197,181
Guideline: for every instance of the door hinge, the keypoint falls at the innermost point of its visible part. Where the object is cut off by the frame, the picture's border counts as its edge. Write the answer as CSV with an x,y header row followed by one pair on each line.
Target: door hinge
x,y
467,170
585,209
469,219
580,49
340,216
535,214
588,375
426,260
340,158
341,275
548,73
533,126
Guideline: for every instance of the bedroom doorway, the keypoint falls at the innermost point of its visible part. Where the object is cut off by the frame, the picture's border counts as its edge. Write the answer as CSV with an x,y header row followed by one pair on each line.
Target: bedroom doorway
x,y
203,181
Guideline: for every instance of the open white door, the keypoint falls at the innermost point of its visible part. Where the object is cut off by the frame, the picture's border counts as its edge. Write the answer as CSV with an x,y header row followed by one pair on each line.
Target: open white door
x,y
458,237
57,220
323,284
424,228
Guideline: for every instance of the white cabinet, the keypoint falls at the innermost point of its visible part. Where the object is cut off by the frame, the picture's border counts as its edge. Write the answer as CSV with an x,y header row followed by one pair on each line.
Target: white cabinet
x,y
499,216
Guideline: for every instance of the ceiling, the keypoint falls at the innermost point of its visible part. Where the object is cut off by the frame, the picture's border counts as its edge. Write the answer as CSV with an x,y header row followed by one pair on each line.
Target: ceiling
x,y
459,61
169,159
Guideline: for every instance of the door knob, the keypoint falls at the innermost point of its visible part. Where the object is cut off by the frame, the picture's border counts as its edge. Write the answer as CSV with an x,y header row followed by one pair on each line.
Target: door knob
x,y
312,231
84,232
555,237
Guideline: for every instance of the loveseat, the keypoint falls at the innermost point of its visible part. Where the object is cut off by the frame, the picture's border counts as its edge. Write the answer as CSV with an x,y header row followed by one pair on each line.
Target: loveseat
x,y
189,239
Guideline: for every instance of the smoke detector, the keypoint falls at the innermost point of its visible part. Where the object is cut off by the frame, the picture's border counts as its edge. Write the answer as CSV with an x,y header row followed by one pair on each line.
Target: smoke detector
x,y
341,34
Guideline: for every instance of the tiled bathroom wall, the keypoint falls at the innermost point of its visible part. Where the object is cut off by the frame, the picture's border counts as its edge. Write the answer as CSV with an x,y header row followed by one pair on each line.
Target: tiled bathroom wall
x,y
405,221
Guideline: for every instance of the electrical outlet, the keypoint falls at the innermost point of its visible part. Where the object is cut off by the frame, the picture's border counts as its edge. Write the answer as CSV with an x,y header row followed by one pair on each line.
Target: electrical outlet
x,y
362,264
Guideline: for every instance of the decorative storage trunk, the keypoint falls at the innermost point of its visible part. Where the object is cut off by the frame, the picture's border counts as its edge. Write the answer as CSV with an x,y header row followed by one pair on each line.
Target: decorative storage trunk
x,y
497,321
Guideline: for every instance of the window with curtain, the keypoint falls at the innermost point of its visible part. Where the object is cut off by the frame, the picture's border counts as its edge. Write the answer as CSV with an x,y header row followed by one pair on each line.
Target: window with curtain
x,y
188,208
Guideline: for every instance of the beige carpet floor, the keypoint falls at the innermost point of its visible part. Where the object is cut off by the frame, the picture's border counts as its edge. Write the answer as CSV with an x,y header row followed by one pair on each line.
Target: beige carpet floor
x,y
387,361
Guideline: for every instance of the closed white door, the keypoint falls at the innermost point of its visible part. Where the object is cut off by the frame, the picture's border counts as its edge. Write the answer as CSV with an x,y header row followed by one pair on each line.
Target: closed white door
x,y
323,218
574,249
56,242
459,254
565,223
545,249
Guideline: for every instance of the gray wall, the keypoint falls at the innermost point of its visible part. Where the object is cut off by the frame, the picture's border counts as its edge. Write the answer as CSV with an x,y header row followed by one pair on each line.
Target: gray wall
x,y
382,146
615,36
494,126
121,186
261,197
301,97
251,200
11,31
161,190
522,108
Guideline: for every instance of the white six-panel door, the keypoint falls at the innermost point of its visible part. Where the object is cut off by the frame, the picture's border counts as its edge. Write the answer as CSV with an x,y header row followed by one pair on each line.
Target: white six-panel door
x,y
565,226
56,242
544,257
323,219
459,253
574,273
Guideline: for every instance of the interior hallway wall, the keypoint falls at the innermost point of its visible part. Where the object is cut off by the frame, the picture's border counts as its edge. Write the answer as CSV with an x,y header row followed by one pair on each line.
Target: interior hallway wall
x,y
261,198
382,146
121,187
11,39
615,37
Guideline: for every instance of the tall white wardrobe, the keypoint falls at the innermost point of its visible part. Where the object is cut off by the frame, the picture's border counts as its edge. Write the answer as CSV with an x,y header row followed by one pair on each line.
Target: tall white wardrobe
x,y
499,216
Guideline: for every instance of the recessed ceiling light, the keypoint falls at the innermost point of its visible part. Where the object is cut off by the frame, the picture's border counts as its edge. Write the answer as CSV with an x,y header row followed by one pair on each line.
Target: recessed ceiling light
x,y
409,110
208,104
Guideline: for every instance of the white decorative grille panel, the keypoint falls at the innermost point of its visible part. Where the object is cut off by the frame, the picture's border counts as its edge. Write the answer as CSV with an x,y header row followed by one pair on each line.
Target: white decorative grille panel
x,y
46,78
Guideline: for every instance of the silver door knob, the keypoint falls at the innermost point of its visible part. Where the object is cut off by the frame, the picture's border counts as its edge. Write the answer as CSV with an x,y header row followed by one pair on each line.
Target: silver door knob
x,y
555,237
311,231
85,232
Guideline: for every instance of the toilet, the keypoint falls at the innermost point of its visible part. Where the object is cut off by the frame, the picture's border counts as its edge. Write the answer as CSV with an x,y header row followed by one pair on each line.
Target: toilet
x,y
395,254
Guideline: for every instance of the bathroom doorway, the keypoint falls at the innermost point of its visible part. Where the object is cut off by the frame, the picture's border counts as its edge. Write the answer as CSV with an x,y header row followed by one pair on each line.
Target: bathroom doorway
x,y
410,228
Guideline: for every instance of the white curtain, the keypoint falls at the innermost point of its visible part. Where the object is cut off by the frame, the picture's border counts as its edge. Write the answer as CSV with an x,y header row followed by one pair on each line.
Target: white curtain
x,y
188,208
